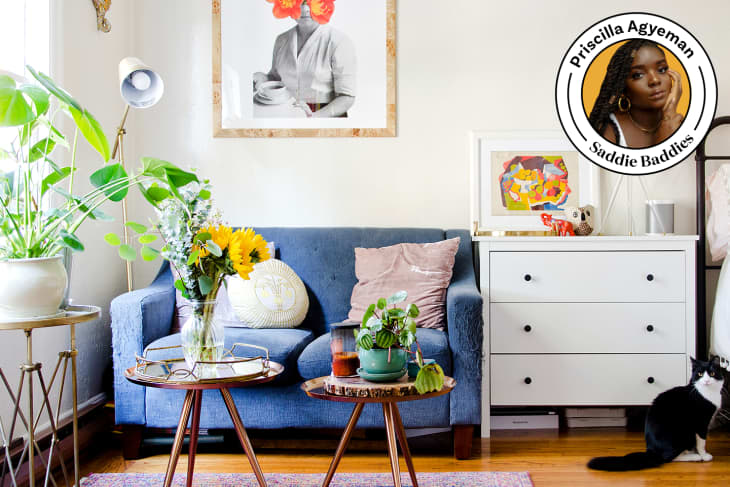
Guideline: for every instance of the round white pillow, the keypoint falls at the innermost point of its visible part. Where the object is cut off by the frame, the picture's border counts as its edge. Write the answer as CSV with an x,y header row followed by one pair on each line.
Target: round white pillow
x,y
272,297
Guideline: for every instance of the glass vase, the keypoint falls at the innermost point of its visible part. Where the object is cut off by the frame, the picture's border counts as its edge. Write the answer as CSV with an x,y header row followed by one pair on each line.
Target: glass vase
x,y
202,338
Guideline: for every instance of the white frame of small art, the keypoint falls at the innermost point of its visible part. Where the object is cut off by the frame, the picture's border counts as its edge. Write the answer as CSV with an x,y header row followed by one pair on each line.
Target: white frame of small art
x,y
484,143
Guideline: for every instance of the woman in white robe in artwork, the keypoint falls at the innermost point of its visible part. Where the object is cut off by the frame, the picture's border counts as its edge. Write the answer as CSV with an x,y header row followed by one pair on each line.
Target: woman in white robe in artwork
x,y
317,64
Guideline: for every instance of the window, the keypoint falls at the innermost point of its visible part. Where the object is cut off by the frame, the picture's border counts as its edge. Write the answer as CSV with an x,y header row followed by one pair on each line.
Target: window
x,y
25,34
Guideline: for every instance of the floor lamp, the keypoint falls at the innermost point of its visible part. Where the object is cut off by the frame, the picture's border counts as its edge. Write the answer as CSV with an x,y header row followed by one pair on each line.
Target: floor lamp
x,y
141,87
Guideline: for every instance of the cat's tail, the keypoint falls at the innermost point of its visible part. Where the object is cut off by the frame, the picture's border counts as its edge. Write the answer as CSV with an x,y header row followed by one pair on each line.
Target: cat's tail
x,y
632,461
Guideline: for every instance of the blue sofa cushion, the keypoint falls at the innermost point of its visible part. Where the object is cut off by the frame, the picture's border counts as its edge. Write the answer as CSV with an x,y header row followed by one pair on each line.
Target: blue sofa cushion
x,y
284,345
316,360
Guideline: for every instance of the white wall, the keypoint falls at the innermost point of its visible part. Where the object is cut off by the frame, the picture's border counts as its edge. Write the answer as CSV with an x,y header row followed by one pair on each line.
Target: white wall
x,y
84,62
463,65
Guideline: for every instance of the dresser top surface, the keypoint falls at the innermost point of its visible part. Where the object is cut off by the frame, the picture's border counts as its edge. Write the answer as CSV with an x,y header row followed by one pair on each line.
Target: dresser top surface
x,y
592,238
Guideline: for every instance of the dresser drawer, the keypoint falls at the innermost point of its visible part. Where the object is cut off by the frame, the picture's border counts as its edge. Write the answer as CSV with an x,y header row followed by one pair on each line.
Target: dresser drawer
x,y
581,379
587,327
587,276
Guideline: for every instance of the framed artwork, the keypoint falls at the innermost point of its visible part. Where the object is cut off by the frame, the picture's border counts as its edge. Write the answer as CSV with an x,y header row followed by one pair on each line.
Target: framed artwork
x,y
304,68
517,176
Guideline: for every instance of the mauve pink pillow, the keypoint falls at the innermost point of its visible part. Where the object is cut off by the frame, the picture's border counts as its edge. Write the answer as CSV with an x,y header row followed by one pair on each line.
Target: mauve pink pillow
x,y
423,270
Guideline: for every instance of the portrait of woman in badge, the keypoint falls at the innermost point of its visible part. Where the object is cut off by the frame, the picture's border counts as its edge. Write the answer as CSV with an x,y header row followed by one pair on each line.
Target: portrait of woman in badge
x,y
643,95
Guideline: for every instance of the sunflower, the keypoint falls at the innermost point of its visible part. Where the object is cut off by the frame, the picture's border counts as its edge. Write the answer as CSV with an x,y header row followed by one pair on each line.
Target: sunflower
x,y
220,235
246,249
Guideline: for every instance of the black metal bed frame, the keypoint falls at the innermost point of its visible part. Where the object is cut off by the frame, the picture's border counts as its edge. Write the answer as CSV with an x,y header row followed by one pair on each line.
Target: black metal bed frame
x,y
701,265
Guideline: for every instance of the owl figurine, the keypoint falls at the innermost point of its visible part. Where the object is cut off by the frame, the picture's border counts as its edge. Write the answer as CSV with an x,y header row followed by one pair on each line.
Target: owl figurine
x,y
581,218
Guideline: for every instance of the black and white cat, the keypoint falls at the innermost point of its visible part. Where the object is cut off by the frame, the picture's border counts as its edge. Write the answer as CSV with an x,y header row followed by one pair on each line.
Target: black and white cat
x,y
676,424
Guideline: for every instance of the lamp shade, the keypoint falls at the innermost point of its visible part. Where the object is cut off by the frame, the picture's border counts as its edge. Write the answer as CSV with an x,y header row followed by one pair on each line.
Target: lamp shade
x,y
140,86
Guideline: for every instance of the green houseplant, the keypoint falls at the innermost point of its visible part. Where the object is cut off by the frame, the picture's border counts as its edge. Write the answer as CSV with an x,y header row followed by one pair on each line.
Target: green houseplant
x,y
391,333
35,227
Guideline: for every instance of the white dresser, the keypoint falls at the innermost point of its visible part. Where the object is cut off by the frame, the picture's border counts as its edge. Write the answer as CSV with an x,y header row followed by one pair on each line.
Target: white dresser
x,y
578,321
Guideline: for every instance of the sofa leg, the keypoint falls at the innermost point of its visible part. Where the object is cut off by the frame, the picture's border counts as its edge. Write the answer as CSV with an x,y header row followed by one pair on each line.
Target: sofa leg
x,y
131,441
463,438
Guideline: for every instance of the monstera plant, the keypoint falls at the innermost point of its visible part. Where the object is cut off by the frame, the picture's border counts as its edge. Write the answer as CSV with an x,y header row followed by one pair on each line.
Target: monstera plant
x,y
40,212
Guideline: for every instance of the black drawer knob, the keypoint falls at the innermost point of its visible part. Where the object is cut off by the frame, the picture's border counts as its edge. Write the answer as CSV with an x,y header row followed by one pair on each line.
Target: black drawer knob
x,y
650,277
528,277
528,328
650,328
528,380
650,380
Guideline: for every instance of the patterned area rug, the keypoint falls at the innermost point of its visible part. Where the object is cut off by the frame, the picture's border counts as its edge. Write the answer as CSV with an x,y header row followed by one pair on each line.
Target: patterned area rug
x,y
441,479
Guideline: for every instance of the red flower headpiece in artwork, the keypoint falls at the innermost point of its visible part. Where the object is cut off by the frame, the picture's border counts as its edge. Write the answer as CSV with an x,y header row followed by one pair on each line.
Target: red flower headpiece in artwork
x,y
320,10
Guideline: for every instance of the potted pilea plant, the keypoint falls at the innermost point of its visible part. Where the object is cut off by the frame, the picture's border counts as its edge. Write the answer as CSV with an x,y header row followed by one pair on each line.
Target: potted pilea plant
x,y
385,341
34,227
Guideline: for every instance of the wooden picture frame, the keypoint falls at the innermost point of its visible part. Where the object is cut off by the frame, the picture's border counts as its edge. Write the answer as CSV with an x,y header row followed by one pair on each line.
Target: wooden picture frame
x,y
239,50
489,153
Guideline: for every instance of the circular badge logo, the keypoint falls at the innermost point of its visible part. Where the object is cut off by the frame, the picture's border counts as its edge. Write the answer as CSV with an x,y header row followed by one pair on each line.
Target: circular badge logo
x,y
636,93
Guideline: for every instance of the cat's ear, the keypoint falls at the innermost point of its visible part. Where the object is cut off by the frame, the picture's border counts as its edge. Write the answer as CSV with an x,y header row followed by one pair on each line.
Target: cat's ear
x,y
693,360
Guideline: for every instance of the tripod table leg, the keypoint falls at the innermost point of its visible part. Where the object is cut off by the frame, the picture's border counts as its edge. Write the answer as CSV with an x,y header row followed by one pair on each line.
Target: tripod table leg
x,y
343,442
194,427
242,436
401,434
179,437
392,445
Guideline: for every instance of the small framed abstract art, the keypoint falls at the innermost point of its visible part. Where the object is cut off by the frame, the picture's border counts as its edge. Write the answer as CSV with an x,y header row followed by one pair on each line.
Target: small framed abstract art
x,y
517,176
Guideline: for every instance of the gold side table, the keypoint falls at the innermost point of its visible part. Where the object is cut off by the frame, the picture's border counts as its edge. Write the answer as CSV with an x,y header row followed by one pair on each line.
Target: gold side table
x,y
71,316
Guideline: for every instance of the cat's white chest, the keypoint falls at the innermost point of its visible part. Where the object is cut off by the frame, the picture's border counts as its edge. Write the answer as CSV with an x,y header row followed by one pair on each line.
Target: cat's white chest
x,y
712,392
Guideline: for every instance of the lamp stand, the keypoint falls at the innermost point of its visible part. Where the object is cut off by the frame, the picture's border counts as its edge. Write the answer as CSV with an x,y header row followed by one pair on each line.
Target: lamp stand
x,y
119,144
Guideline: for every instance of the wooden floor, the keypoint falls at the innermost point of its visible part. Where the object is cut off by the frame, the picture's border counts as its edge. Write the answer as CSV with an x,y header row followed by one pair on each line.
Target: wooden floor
x,y
552,459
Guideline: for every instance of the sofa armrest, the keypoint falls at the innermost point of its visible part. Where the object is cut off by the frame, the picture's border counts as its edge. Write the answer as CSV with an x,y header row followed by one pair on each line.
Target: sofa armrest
x,y
465,327
138,318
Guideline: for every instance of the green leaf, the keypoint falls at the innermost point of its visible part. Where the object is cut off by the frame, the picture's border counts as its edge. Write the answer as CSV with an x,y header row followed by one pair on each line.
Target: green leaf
x,y
430,378
382,303
398,297
157,193
193,257
179,285
206,285
214,249
92,132
406,338
364,339
6,82
204,194
202,237
375,325
71,241
54,178
368,314
396,313
146,239
55,90
39,97
14,108
41,149
385,338
108,174
126,252
112,239
147,196
97,214
410,325
412,311
148,253
167,171
137,227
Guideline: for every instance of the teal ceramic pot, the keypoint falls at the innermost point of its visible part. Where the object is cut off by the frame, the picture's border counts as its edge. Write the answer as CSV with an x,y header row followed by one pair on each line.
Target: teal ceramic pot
x,y
375,361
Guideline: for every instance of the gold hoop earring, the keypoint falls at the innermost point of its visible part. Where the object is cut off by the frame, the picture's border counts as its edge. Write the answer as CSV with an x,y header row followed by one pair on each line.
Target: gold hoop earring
x,y
626,103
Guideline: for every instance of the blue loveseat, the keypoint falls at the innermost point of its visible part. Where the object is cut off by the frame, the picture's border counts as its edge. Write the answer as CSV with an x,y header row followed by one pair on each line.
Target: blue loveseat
x,y
324,258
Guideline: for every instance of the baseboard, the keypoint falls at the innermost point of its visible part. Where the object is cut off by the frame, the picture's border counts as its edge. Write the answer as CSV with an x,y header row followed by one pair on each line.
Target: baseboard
x,y
92,420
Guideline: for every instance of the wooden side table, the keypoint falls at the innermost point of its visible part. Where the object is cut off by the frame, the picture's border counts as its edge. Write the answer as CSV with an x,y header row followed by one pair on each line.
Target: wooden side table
x,y
226,379
389,394
71,316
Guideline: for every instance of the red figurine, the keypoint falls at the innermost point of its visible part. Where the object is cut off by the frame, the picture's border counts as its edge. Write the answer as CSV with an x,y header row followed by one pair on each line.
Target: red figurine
x,y
562,227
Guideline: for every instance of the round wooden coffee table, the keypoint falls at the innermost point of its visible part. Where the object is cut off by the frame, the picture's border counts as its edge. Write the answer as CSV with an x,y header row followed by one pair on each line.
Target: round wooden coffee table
x,y
361,392
193,399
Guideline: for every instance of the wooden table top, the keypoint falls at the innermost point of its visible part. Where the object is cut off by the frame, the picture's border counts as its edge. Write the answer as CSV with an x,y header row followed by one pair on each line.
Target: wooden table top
x,y
316,388
275,369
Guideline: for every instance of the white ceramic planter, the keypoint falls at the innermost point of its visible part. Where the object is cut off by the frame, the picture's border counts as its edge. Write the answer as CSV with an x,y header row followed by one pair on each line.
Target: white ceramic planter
x,y
31,287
